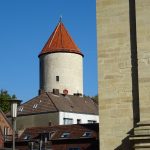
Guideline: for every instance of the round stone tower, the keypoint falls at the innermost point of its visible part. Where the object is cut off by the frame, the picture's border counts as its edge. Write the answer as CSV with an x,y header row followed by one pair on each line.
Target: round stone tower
x,y
61,63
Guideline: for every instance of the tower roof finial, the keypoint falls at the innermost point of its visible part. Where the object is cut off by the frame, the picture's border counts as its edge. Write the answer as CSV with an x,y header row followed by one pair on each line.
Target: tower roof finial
x,y
60,19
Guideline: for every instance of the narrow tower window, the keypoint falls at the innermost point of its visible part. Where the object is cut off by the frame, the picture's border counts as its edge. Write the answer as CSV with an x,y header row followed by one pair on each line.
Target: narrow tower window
x,y
57,78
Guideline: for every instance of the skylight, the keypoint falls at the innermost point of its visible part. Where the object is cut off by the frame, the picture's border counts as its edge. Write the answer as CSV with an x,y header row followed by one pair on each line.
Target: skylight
x,y
20,109
35,106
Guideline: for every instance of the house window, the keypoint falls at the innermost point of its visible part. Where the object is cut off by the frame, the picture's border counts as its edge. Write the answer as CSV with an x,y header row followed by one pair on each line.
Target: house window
x,y
65,135
78,121
5,133
57,78
68,121
91,121
75,148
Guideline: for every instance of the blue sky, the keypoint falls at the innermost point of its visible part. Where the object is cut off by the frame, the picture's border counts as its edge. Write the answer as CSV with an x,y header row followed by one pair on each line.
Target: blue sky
x,y
25,26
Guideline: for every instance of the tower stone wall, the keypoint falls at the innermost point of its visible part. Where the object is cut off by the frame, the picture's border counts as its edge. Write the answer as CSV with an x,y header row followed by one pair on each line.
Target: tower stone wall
x,y
67,67
124,69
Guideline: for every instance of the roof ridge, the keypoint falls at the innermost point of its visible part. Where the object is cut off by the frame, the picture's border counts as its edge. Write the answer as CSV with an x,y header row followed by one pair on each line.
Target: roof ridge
x,y
52,101
54,34
29,100
4,115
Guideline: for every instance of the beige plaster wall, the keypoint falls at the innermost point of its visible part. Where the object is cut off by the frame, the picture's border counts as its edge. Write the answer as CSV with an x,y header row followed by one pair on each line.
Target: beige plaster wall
x,y
37,120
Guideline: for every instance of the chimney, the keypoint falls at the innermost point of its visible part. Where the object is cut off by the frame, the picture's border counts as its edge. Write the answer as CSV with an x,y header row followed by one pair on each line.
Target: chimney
x,y
50,123
65,92
77,94
56,91
41,91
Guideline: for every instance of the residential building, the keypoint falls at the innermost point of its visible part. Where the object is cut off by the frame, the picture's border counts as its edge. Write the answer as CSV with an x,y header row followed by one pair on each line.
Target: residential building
x,y
5,129
64,137
56,109
60,100
1,139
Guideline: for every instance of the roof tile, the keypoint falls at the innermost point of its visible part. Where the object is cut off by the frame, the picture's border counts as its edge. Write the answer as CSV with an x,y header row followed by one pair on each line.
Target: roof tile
x,y
76,131
49,102
60,41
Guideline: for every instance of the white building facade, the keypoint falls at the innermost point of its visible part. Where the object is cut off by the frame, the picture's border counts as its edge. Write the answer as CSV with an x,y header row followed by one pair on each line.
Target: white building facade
x,y
77,118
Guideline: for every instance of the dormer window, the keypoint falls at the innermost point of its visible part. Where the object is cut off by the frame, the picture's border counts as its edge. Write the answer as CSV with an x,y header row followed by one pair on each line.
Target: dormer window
x,y
65,135
57,78
87,134
27,137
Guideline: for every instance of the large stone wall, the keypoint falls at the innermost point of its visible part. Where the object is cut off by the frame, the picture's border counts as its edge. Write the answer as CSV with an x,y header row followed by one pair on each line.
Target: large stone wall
x,y
114,71
124,69
143,46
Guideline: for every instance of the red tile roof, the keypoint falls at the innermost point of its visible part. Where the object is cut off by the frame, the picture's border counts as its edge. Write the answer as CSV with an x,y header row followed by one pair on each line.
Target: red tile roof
x,y
60,41
49,102
76,131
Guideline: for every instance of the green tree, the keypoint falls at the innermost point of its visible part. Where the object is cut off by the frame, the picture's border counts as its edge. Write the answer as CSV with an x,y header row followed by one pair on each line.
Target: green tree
x,y
4,104
95,99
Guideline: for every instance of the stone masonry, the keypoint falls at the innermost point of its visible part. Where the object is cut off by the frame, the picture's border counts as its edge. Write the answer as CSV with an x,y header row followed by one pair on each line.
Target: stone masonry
x,y
123,69
143,46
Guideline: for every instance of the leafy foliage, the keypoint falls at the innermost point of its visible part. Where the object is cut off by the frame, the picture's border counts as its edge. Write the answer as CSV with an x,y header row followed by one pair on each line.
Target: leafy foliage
x,y
95,99
4,97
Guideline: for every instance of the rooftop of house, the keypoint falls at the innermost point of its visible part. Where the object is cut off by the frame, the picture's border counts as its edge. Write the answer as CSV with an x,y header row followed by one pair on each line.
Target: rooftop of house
x,y
50,102
60,41
4,121
1,135
61,132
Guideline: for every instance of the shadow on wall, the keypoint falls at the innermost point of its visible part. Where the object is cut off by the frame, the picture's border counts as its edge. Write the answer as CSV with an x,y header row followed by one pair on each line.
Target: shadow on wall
x,y
134,61
126,144
94,146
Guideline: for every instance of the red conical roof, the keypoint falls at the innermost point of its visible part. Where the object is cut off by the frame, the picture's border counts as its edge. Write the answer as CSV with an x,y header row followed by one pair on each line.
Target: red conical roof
x,y
60,41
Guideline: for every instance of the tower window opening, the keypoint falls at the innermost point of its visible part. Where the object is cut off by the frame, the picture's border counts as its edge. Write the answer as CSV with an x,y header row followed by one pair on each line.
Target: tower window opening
x,y
57,78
